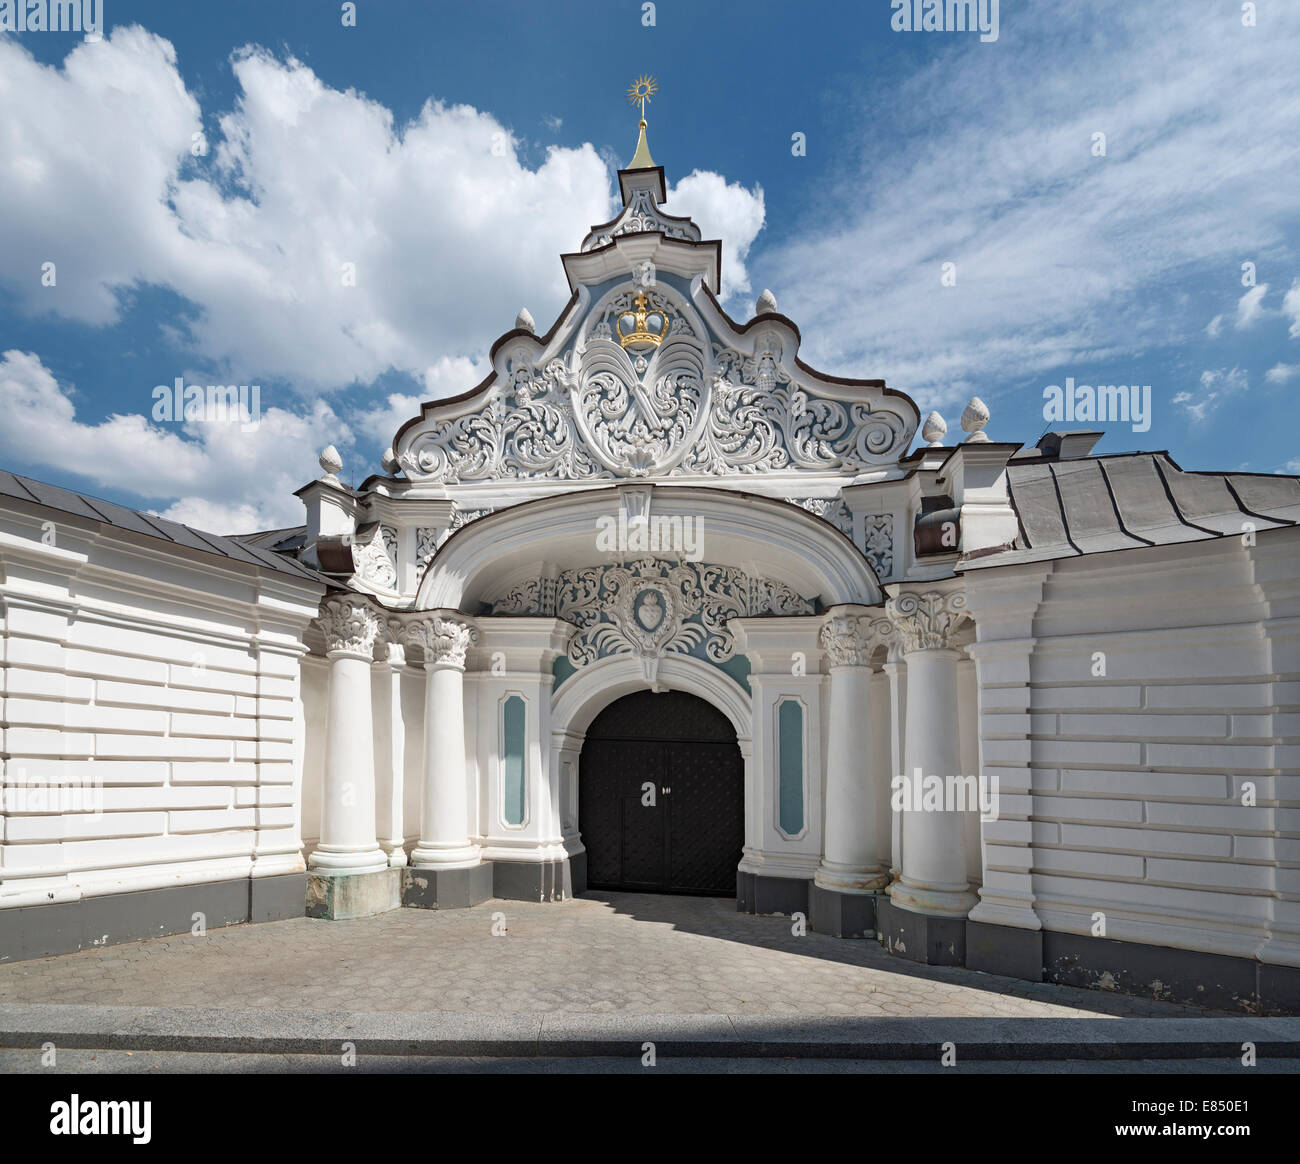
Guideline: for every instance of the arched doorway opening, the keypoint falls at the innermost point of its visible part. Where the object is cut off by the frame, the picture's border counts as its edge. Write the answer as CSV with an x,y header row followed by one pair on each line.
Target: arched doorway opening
x,y
661,796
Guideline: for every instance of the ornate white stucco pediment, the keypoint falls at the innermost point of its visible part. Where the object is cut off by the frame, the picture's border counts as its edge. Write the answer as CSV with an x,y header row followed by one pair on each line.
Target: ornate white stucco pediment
x,y
708,400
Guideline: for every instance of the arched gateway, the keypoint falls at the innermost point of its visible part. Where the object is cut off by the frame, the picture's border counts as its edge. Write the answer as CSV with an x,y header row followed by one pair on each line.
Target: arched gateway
x,y
661,796
651,497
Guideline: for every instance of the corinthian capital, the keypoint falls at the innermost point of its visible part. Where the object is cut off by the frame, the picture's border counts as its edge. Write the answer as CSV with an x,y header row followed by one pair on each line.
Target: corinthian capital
x,y
444,641
350,625
927,620
849,639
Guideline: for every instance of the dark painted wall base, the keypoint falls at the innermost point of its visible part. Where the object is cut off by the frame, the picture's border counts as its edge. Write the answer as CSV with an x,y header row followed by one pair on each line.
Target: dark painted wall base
x,y
447,888
578,872
841,915
276,898
38,931
783,895
1005,950
532,880
1216,980
935,941
1161,972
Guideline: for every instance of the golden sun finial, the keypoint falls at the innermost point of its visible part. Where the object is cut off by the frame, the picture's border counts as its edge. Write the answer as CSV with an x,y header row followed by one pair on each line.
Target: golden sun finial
x,y
639,93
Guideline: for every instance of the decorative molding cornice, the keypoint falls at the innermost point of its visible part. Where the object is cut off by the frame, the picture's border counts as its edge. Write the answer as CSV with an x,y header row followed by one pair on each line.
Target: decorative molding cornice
x,y
351,627
927,620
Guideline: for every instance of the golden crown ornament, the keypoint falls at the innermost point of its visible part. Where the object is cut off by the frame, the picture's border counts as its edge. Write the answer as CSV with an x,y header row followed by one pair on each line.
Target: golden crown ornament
x,y
641,327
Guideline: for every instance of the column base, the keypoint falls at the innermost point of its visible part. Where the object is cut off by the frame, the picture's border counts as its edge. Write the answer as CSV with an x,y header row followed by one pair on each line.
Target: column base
x,y
841,915
445,857
778,895
343,860
447,888
919,937
933,901
850,878
339,896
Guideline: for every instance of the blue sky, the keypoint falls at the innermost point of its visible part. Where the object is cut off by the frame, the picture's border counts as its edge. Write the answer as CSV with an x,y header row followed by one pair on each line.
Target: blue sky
x,y
452,151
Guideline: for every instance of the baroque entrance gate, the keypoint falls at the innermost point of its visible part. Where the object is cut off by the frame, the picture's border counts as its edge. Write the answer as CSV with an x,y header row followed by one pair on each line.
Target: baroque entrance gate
x,y
685,837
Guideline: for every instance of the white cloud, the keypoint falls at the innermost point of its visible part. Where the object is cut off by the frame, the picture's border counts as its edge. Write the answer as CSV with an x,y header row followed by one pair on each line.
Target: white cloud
x,y
1215,326
722,210
1282,373
1291,308
1250,306
1217,385
217,476
1059,253
447,230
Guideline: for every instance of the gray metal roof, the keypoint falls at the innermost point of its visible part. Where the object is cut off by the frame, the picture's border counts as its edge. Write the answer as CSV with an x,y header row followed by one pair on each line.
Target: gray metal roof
x,y
106,512
1093,505
284,540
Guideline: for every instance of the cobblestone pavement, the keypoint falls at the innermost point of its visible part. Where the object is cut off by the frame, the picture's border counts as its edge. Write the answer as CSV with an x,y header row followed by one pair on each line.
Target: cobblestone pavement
x,y
601,954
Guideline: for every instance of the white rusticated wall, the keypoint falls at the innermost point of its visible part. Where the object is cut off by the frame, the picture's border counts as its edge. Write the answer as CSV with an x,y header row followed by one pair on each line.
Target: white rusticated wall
x,y
148,705
1123,793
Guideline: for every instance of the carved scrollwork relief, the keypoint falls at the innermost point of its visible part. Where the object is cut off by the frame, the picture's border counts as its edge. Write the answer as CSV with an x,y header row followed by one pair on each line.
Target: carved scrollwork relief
x,y
686,407
651,607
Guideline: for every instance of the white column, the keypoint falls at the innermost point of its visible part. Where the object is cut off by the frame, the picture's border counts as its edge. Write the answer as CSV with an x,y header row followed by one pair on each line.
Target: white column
x,y
896,672
347,830
934,859
444,807
390,754
851,863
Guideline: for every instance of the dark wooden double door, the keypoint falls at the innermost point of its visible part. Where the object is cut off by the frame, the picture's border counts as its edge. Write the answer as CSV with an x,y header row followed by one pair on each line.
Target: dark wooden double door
x,y
687,836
